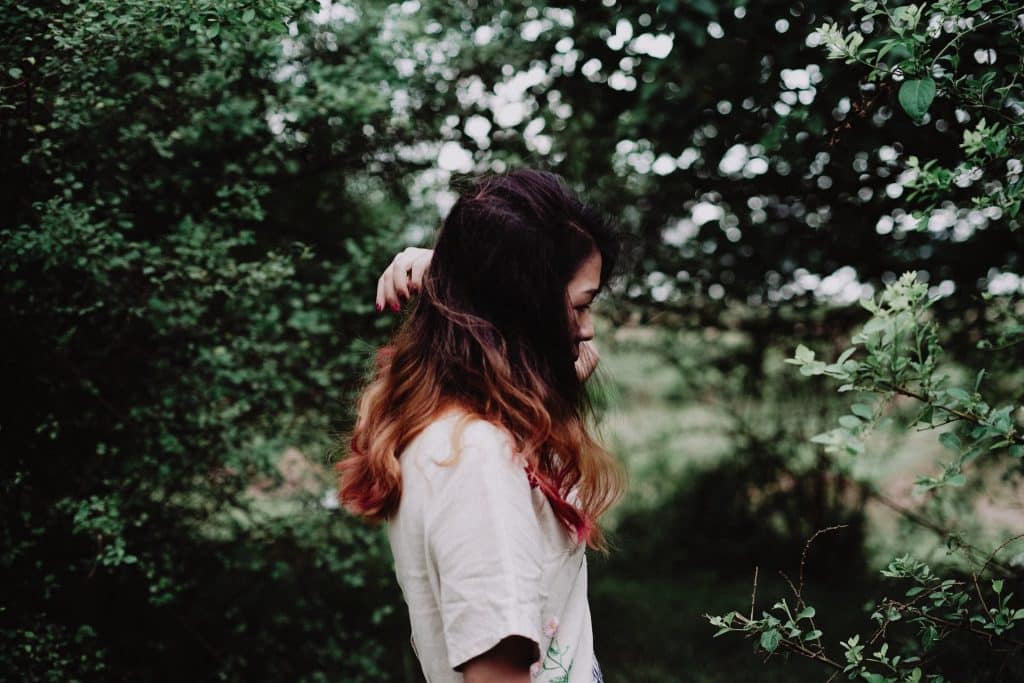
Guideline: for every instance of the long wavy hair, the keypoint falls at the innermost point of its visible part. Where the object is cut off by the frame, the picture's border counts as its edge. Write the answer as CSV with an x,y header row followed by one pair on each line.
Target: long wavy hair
x,y
491,333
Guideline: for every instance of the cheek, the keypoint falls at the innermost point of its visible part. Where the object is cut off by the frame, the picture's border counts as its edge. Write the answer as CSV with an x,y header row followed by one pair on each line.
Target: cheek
x,y
574,323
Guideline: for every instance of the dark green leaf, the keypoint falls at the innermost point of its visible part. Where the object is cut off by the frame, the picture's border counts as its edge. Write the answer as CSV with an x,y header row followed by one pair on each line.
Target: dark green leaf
x,y
951,441
862,410
959,394
770,640
916,96
850,422
806,613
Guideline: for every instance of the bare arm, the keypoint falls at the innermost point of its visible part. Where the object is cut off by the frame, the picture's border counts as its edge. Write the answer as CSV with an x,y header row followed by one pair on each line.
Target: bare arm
x,y
507,662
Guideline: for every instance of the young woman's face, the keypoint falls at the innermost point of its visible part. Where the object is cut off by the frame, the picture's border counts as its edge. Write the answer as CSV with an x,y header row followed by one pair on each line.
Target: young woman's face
x,y
581,292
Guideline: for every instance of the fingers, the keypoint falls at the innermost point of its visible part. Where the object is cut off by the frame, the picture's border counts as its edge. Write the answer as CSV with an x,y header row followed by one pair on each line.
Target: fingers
x,y
419,268
379,300
402,277
400,274
386,296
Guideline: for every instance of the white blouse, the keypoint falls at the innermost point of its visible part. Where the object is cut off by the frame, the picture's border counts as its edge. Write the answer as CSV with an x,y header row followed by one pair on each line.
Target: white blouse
x,y
480,556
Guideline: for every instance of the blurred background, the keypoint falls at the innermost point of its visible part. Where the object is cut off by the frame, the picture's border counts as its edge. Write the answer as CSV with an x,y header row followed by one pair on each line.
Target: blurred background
x,y
198,198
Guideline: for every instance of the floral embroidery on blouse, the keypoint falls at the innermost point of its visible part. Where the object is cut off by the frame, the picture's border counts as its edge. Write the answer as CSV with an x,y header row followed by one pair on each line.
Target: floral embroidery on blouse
x,y
554,658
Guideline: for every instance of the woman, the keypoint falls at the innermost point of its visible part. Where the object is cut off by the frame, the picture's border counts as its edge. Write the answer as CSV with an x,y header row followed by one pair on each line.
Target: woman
x,y
472,438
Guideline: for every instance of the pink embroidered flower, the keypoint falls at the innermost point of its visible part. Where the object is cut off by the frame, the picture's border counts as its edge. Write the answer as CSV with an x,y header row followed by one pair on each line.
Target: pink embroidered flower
x,y
551,626
535,669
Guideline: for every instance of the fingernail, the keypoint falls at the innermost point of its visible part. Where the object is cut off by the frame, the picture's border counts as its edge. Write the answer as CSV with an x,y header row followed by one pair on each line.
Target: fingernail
x,y
378,306
395,307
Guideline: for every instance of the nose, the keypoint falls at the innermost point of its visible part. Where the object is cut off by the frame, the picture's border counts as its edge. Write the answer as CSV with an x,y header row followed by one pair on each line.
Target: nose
x,y
585,329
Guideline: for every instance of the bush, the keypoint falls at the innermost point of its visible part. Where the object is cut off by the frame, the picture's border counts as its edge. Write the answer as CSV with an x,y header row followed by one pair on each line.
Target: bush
x,y
167,334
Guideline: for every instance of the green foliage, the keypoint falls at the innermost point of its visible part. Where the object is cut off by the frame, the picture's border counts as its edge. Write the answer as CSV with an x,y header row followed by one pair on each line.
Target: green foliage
x,y
916,95
899,349
172,323
902,350
932,608
969,54
898,355
197,198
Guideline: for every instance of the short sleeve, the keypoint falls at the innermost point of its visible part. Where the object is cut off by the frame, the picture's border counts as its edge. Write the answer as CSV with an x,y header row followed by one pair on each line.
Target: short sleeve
x,y
486,543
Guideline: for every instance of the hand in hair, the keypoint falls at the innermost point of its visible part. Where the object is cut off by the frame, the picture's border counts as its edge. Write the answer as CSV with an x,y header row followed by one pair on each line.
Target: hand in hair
x,y
403,277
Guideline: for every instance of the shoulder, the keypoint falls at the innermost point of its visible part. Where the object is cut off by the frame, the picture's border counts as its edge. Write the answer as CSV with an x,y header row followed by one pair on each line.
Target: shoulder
x,y
471,431
460,440
463,430
475,442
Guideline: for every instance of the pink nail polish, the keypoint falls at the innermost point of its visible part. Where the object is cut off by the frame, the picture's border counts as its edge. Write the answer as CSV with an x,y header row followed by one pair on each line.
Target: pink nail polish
x,y
395,307
378,306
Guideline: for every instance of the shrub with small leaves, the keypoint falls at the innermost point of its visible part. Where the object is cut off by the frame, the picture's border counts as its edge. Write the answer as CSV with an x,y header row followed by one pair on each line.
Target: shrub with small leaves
x,y
188,252
896,354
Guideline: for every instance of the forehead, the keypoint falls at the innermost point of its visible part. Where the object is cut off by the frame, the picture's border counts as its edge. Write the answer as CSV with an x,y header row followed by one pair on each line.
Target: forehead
x,y
587,278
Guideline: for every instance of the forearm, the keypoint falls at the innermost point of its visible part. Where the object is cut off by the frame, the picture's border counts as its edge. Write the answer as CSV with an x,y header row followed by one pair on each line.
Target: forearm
x,y
506,662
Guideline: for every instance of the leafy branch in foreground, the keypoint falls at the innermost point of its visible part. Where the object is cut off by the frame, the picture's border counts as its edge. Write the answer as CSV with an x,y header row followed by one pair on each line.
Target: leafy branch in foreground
x,y
902,358
897,354
933,607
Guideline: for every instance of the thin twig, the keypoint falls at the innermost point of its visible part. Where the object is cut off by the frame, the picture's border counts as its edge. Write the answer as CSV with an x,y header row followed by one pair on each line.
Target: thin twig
x,y
800,604
952,624
969,417
921,520
792,587
977,587
1000,547
956,38
753,594
975,574
807,547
